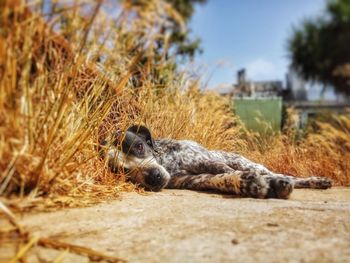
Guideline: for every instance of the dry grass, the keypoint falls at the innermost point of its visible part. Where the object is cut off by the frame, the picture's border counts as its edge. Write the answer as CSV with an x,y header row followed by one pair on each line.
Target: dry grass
x,y
323,149
16,233
51,106
66,79
57,99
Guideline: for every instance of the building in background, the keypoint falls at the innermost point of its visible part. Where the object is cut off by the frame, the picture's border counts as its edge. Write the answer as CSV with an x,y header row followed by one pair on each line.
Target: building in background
x,y
256,89
310,99
259,103
295,86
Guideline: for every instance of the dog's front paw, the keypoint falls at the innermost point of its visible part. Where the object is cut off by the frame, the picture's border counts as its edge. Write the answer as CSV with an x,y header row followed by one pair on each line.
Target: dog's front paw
x,y
253,185
279,187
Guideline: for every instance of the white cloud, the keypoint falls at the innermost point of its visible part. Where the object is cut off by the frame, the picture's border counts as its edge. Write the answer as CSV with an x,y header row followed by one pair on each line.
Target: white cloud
x,y
262,69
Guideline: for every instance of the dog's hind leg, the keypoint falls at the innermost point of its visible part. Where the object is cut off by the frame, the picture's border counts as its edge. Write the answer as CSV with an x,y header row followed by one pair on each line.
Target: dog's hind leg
x,y
242,183
239,162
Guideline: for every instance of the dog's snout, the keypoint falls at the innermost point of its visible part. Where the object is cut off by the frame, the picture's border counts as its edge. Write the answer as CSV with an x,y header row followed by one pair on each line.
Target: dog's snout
x,y
154,178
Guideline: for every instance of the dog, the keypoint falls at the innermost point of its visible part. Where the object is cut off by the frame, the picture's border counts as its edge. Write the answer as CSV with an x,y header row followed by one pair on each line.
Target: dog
x,y
183,164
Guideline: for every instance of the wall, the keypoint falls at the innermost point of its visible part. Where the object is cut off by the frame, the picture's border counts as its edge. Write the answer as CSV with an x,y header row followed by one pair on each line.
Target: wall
x,y
261,114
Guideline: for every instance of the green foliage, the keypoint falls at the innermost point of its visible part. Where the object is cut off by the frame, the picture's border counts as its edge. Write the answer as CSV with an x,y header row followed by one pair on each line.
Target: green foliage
x,y
175,16
162,37
320,47
185,7
185,46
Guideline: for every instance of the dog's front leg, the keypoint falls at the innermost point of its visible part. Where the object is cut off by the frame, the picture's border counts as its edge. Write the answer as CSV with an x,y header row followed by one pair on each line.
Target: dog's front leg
x,y
242,183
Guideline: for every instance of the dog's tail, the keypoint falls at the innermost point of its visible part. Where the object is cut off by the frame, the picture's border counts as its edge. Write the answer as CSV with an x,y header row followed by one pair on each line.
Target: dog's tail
x,y
312,182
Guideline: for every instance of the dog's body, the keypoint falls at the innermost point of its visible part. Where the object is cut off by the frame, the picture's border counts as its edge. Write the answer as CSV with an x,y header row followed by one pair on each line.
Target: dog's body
x,y
156,164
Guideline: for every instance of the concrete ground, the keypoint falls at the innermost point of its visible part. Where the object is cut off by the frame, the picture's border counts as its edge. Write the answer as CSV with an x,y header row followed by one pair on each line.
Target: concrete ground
x,y
188,226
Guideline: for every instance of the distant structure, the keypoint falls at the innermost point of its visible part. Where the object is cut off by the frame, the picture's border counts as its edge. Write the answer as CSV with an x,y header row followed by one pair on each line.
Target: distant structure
x,y
256,89
267,97
258,103
296,87
306,106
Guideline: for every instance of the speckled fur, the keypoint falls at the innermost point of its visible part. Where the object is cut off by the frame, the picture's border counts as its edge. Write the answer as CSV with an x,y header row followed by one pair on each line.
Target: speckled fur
x,y
189,165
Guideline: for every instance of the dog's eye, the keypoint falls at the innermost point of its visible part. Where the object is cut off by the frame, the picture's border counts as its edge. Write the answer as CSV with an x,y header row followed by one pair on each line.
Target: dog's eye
x,y
139,147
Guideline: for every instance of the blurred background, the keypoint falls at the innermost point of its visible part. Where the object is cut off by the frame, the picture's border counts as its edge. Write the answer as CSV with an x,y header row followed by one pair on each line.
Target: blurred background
x,y
272,54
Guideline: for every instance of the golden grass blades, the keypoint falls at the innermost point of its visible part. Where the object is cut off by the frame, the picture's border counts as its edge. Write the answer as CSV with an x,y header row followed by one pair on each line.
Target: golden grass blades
x,y
44,125
322,151
189,114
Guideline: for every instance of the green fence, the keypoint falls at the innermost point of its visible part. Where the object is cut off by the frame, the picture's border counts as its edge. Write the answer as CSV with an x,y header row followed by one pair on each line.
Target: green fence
x,y
261,115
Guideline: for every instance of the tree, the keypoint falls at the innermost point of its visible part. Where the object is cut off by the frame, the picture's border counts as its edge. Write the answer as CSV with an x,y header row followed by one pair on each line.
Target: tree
x,y
185,46
168,20
320,47
159,37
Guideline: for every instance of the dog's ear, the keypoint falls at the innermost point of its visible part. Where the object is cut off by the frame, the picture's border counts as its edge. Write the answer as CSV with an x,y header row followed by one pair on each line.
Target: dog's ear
x,y
143,132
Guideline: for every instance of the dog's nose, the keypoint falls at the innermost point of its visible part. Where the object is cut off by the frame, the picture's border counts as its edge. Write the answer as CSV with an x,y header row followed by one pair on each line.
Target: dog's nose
x,y
154,178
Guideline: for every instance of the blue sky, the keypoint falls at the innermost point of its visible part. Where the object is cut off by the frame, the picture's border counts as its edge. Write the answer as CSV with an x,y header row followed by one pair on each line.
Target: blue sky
x,y
248,33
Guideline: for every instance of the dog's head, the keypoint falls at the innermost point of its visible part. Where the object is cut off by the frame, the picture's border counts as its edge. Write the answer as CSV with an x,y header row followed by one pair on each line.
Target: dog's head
x,y
133,151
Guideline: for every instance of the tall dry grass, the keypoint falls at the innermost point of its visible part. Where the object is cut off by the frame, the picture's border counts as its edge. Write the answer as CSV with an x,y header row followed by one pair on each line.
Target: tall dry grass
x,y
53,102
67,78
321,150
46,142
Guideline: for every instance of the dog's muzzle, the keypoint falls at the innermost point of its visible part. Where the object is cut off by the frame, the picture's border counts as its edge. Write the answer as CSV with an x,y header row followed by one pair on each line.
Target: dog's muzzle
x,y
155,180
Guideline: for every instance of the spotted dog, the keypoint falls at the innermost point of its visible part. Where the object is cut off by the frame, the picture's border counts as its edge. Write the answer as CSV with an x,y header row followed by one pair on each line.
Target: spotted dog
x,y
184,164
